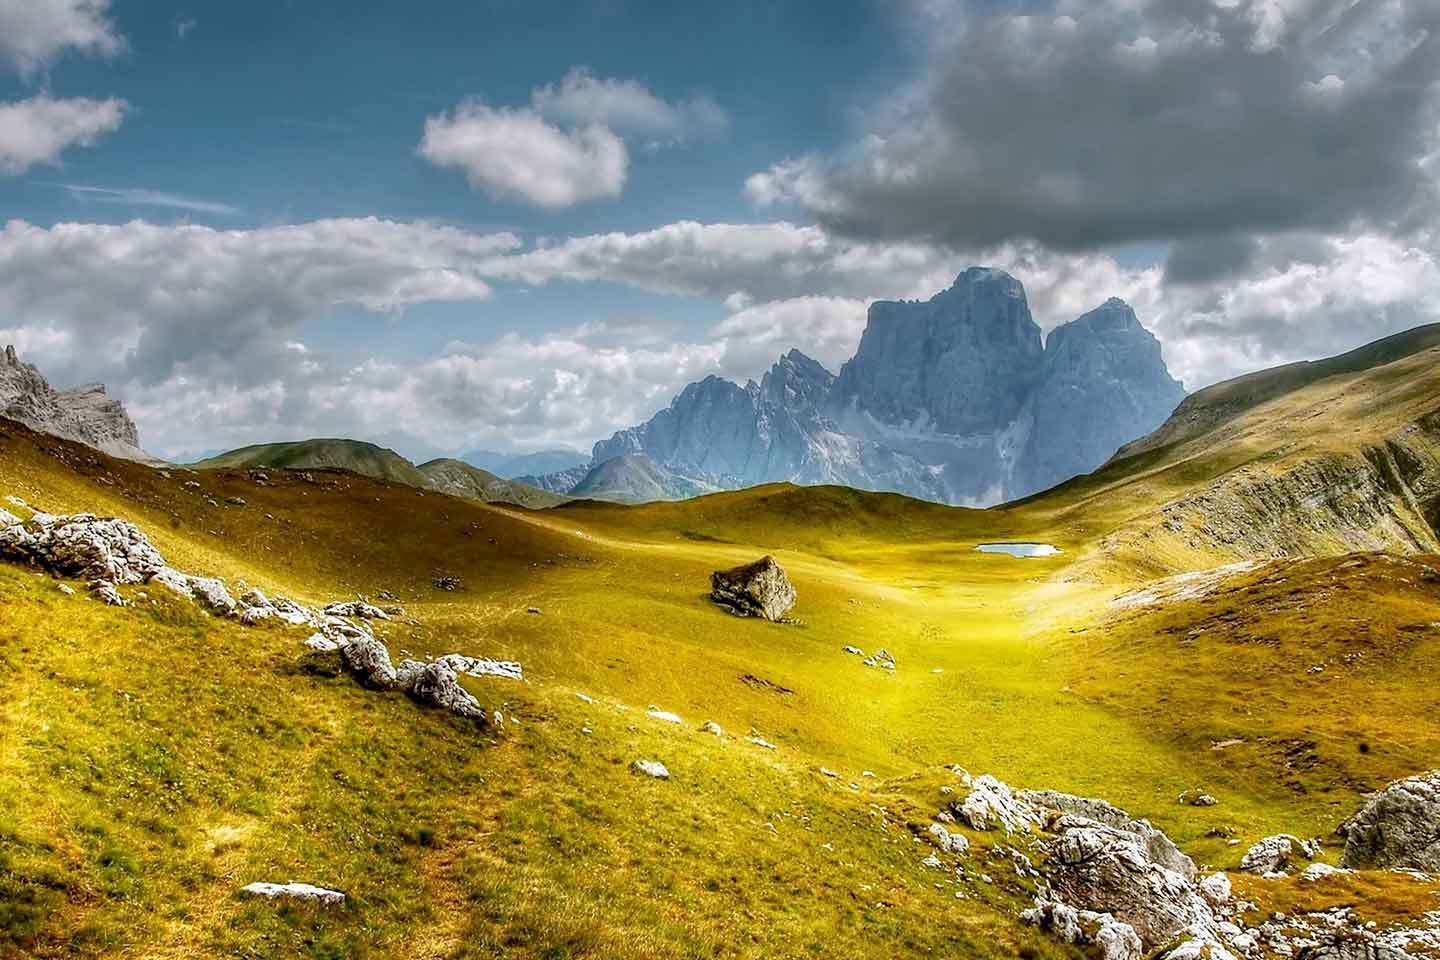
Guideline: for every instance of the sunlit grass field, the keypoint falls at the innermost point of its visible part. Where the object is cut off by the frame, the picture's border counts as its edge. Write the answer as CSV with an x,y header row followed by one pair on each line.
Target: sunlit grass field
x,y
153,760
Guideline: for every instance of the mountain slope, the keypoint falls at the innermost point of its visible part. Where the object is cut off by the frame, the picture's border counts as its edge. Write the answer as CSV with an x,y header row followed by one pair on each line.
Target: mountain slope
x,y
460,479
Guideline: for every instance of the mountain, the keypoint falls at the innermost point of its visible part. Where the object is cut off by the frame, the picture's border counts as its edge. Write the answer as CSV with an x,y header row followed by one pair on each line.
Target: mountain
x,y
561,482
356,456
1104,383
444,475
84,414
632,478
957,399
460,479
515,465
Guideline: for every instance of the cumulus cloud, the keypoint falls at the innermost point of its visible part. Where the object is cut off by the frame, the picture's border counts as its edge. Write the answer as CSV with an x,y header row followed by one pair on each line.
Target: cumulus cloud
x,y
628,106
35,32
515,154
567,145
39,129
1082,124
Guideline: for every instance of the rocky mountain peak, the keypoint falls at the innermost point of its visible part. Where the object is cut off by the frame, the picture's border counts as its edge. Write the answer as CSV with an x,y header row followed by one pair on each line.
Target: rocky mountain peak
x,y
959,362
796,380
85,414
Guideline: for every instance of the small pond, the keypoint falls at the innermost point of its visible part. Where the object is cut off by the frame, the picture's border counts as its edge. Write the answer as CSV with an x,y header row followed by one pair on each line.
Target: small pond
x,y
1019,549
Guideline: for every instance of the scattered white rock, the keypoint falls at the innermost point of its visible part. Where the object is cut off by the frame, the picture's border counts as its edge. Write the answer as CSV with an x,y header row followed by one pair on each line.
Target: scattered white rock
x,y
883,660
760,742
651,768
105,592
358,609
712,728
294,891
481,667
66,589
664,716
947,841
1319,871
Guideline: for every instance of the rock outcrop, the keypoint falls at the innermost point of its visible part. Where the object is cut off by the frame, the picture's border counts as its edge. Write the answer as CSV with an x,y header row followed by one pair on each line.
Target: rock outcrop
x,y
1398,828
955,399
759,589
84,414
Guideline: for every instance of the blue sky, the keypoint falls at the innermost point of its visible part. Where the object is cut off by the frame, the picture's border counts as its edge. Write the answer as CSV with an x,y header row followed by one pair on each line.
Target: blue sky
x,y
520,225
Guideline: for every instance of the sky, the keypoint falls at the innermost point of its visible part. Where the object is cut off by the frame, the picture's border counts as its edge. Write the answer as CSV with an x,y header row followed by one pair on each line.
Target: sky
x,y
521,224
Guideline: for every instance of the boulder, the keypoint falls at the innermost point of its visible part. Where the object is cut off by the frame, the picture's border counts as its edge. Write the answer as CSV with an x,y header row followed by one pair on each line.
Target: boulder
x,y
368,659
1098,867
105,592
991,803
358,609
437,685
759,589
1274,854
1398,828
1158,847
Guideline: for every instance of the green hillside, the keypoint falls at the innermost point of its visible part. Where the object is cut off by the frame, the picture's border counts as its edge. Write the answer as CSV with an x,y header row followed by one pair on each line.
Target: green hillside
x,y
156,759
454,477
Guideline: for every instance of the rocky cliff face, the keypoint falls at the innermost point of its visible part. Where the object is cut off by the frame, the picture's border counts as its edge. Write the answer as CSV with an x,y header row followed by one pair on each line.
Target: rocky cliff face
x,y
960,363
84,414
954,399
1104,383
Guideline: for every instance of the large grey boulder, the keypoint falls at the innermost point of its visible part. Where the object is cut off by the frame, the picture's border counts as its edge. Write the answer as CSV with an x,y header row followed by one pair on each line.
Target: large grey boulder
x,y
369,660
1110,870
1398,828
759,589
437,685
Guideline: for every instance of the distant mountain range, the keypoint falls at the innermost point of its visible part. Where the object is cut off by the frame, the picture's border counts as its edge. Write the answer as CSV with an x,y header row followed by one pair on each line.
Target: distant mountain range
x,y
957,399
444,475
514,465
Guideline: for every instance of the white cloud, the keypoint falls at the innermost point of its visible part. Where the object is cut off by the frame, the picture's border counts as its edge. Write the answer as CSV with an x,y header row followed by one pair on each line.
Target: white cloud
x,y
34,32
628,106
39,129
568,145
826,328
150,303
514,154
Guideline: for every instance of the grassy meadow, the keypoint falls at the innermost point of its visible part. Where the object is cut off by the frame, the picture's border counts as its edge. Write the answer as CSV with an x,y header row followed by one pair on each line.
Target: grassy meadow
x,y
153,759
